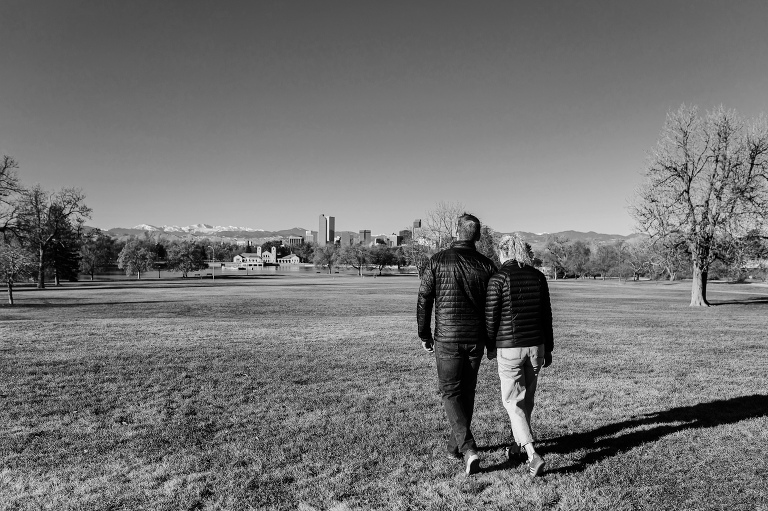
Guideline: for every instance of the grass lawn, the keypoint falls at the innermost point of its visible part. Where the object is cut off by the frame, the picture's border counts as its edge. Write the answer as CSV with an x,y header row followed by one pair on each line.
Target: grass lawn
x,y
312,392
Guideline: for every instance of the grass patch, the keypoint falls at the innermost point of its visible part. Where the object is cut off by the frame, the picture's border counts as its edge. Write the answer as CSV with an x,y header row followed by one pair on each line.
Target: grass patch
x,y
312,392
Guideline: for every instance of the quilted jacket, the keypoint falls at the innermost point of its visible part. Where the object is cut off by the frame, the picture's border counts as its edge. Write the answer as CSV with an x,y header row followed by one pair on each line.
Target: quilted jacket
x,y
518,312
454,285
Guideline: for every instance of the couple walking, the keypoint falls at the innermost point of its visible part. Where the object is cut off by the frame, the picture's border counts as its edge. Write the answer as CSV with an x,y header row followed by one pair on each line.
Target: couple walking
x,y
505,312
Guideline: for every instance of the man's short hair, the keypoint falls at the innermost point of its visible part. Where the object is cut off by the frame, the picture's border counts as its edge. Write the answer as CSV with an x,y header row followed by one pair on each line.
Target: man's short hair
x,y
512,246
468,228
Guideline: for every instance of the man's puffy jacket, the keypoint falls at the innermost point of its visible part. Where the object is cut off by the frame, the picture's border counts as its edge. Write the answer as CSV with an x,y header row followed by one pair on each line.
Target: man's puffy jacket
x,y
454,284
517,308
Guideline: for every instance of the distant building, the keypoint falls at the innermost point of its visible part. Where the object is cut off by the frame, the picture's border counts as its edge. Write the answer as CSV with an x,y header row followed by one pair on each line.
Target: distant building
x,y
269,257
291,241
395,240
365,237
248,260
326,231
289,259
345,239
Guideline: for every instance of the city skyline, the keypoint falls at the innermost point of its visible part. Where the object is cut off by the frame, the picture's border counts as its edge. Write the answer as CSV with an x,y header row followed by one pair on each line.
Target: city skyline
x,y
536,117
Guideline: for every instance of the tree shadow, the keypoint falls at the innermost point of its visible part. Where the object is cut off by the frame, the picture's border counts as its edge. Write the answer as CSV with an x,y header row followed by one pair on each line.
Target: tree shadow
x,y
189,282
622,436
80,304
757,300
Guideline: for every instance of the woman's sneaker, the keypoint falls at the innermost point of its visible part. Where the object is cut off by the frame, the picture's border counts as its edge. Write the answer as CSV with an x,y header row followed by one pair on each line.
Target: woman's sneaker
x,y
473,463
536,465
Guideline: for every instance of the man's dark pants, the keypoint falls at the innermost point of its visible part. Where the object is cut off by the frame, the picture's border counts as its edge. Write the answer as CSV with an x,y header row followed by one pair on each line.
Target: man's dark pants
x,y
457,367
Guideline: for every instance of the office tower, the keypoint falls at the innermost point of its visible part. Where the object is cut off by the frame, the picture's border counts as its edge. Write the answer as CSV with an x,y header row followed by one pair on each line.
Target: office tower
x,y
326,232
322,231
365,237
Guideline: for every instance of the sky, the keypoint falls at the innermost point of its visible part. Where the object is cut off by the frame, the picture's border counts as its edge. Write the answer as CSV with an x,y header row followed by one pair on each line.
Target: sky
x,y
535,116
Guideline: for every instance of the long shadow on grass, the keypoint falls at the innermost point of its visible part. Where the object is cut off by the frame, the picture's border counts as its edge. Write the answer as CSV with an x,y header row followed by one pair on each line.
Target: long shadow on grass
x,y
75,305
763,300
612,439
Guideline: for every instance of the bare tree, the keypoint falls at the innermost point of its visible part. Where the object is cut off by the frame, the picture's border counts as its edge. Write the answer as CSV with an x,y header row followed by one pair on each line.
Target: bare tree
x,y
578,254
44,216
9,190
442,223
706,182
555,253
15,263
416,249
637,256
669,255
603,257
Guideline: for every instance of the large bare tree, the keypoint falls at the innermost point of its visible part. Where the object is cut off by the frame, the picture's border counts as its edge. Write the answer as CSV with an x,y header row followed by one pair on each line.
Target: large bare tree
x,y
442,223
45,216
707,184
9,190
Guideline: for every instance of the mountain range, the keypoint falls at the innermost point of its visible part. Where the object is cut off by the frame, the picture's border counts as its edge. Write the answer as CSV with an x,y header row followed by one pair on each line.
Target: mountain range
x,y
257,236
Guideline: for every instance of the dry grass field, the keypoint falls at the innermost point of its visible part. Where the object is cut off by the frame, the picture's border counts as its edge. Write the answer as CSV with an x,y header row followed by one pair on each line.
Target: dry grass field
x,y
311,392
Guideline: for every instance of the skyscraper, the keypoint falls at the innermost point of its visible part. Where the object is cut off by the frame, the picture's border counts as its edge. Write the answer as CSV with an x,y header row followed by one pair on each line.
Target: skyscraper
x,y
326,231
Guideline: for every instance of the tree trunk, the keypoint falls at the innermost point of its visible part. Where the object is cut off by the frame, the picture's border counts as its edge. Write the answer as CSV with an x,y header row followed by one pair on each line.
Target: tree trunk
x,y
10,291
56,279
40,270
699,287
138,274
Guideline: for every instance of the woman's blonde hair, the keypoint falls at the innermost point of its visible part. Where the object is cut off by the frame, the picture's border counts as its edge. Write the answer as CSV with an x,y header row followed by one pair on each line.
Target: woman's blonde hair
x,y
512,246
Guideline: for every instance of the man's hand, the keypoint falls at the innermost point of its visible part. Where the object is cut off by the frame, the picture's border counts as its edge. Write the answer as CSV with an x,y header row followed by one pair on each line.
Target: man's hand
x,y
547,359
428,345
491,354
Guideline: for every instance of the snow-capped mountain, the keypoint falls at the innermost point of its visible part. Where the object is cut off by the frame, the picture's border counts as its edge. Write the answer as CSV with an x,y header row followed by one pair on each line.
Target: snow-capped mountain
x,y
224,233
196,228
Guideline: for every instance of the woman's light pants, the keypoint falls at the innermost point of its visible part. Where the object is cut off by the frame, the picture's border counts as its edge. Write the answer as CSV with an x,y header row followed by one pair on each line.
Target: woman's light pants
x,y
519,371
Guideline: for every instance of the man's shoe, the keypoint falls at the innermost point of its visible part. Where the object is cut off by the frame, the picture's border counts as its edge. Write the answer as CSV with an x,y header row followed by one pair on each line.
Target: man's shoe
x,y
514,453
536,465
473,463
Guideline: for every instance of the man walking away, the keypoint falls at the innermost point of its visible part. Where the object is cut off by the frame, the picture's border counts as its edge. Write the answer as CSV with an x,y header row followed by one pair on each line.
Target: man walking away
x,y
454,284
519,322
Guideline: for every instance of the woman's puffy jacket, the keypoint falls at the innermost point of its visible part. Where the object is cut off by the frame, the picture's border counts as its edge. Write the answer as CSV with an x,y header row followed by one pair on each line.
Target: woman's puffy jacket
x,y
518,313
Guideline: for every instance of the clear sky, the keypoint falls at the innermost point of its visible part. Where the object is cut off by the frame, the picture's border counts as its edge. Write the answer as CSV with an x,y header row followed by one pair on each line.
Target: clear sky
x,y
537,116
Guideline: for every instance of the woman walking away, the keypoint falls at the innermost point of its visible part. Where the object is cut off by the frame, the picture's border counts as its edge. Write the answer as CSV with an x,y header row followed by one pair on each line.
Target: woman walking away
x,y
518,319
